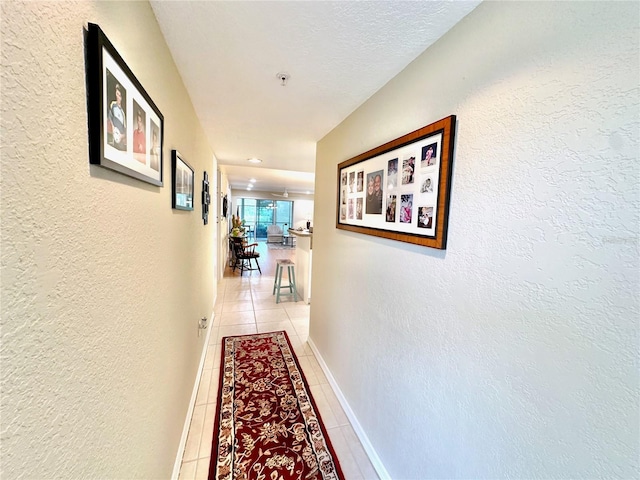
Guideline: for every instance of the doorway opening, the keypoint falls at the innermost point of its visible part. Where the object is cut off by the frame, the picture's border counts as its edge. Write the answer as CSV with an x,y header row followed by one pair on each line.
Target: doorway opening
x,y
259,214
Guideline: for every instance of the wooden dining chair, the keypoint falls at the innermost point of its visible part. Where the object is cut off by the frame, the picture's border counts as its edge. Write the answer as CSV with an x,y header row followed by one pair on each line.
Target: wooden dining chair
x,y
244,254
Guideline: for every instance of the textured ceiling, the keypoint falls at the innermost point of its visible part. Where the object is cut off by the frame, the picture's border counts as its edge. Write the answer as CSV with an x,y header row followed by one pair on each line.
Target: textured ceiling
x,y
337,55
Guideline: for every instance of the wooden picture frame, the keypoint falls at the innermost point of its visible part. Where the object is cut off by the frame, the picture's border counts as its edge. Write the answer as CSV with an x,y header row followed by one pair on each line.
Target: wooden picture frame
x,y
126,129
182,179
400,190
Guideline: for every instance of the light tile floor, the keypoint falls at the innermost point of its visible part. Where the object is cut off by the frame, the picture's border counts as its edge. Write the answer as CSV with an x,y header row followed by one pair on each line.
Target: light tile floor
x,y
246,305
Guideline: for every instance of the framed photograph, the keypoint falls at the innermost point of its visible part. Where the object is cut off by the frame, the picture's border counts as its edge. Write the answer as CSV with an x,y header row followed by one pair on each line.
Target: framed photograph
x,y
126,129
407,186
182,176
225,206
206,198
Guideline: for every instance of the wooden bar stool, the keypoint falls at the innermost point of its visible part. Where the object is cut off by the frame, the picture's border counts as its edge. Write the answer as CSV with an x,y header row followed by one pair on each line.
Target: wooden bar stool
x,y
277,282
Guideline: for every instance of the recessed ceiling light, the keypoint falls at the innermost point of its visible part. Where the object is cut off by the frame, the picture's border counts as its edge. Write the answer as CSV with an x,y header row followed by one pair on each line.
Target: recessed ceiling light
x,y
254,160
250,186
308,192
253,180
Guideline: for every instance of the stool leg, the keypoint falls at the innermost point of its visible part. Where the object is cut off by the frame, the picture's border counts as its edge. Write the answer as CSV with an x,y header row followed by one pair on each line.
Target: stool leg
x,y
279,284
295,289
275,280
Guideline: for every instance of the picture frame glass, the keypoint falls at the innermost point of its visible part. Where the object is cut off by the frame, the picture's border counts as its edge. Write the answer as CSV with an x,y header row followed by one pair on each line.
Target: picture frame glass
x,y
132,135
183,183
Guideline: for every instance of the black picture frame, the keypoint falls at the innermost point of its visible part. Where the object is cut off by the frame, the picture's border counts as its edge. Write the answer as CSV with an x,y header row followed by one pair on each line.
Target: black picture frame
x,y
126,128
225,206
407,190
182,179
206,198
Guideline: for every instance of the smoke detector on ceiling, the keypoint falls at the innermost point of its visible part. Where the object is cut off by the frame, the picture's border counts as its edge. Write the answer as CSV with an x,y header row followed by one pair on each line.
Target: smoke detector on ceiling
x,y
283,77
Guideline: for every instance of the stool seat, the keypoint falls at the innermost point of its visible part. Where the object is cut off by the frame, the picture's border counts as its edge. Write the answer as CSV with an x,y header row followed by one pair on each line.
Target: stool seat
x,y
277,282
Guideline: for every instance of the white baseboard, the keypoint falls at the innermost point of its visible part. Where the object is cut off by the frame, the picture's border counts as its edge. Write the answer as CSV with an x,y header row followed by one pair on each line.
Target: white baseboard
x,y
192,404
357,428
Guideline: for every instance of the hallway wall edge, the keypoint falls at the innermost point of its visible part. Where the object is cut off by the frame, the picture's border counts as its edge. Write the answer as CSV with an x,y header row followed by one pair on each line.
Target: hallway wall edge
x,y
355,424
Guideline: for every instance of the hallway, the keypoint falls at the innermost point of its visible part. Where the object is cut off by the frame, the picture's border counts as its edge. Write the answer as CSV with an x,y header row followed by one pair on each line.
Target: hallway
x,y
246,305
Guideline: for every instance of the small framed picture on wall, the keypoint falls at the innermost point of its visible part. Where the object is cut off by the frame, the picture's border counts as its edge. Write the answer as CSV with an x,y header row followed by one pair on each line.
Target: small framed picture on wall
x,y
181,182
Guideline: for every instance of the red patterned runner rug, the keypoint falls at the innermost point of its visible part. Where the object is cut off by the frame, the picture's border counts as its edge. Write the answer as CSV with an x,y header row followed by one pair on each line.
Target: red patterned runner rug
x,y
267,425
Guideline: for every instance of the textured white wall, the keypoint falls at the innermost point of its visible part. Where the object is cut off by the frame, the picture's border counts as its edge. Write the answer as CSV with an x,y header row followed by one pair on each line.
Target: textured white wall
x,y
102,283
302,211
514,353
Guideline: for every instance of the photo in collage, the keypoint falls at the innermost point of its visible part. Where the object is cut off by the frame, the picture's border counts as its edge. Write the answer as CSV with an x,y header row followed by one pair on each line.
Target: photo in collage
x,y
408,170
116,115
374,192
406,208
425,217
429,154
155,147
139,133
392,173
391,209
427,185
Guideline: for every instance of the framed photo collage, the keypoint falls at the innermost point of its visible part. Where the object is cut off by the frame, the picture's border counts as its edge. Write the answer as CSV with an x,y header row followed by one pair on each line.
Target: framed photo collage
x,y
401,189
